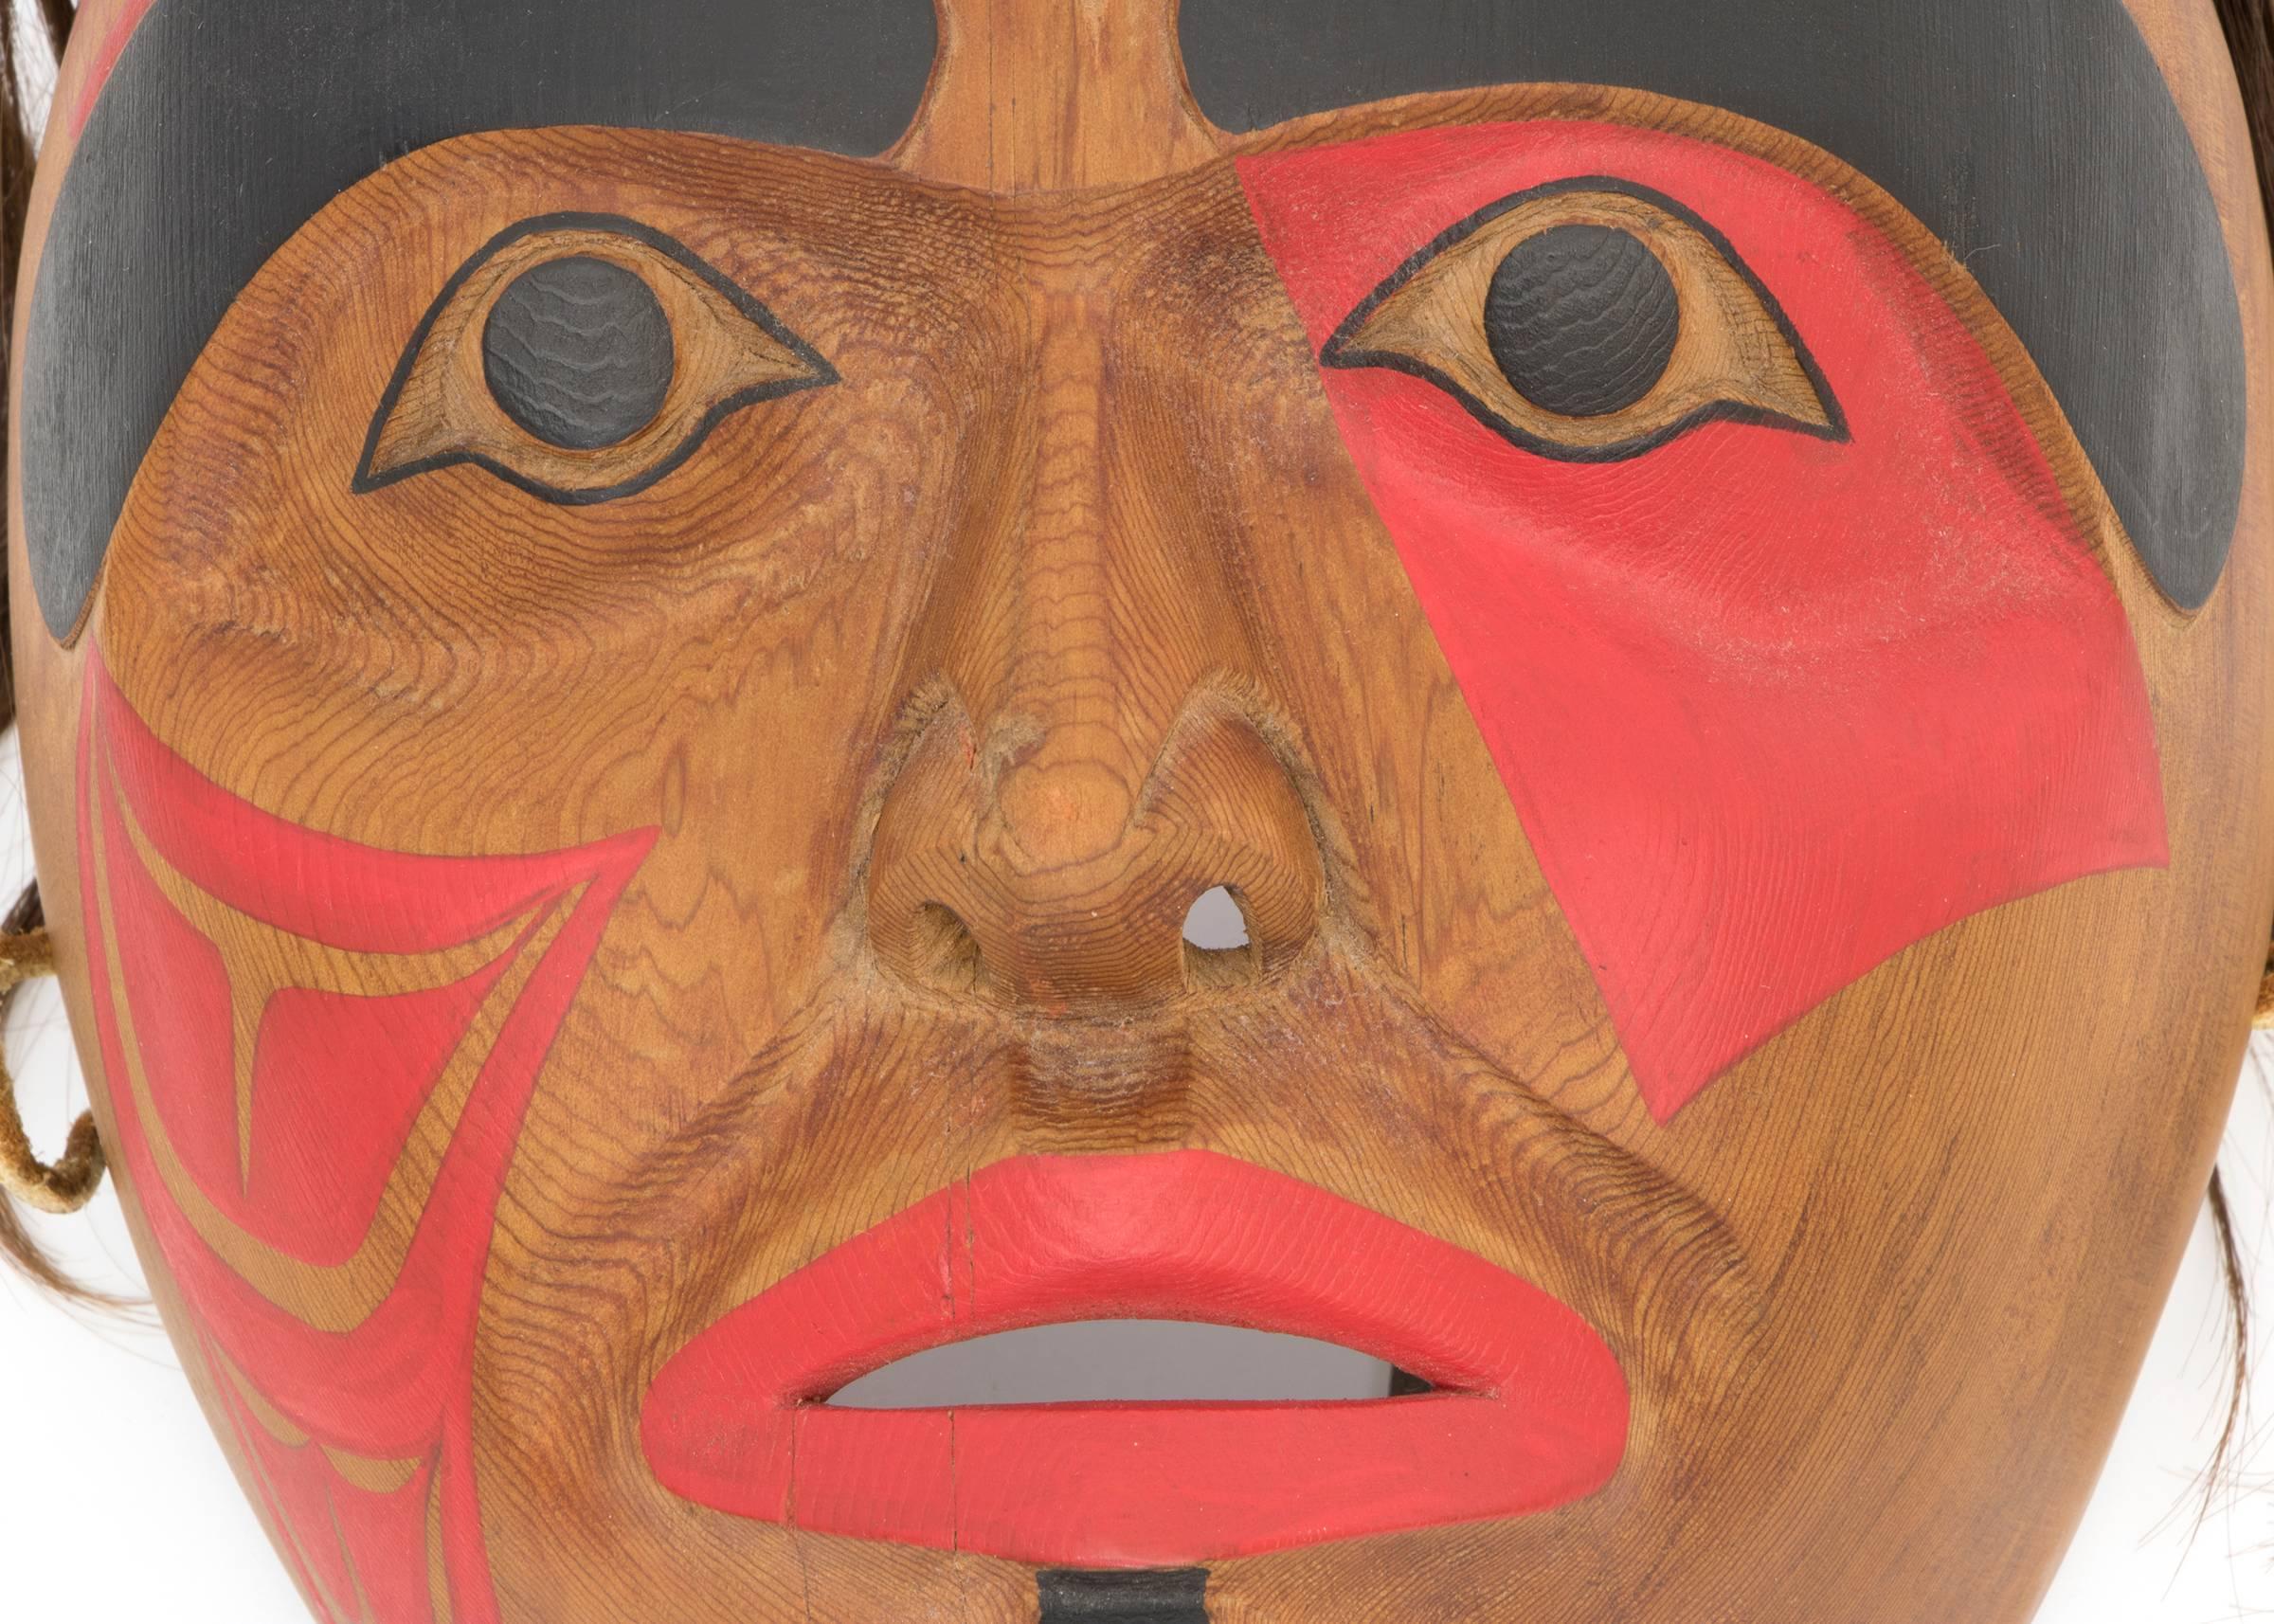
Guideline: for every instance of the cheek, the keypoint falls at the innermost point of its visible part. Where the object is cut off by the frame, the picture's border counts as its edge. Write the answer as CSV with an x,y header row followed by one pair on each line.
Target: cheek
x,y
320,1055
1771,708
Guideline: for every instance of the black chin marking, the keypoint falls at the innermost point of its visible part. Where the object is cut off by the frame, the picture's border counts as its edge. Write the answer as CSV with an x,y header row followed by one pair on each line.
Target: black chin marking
x,y
2037,140
1162,1596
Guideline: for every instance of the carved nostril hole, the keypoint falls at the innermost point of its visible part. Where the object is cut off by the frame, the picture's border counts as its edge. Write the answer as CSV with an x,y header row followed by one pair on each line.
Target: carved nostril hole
x,y
946,954
1215,923
1219,950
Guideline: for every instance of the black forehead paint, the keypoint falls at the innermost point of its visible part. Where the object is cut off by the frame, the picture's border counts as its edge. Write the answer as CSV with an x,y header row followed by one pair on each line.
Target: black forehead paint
x,y
226,124
2037,137
1165,1596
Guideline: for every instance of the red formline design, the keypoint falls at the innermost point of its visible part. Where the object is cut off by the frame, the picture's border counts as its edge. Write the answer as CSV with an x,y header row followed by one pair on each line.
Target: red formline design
x,y
363,1447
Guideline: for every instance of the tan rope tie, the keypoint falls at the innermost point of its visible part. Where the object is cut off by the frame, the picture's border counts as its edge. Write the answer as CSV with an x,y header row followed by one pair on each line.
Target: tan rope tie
x,y
71,1182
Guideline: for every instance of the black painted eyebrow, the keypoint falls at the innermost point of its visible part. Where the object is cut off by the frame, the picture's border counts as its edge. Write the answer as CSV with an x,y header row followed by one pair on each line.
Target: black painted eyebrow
x,y
2037,137
227,124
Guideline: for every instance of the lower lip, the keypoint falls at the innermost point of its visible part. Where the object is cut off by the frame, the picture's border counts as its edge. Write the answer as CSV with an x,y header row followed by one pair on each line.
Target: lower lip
x,y
1530,1412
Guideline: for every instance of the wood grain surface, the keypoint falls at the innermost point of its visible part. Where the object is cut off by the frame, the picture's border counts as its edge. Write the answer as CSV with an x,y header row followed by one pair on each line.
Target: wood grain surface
x,y
862,761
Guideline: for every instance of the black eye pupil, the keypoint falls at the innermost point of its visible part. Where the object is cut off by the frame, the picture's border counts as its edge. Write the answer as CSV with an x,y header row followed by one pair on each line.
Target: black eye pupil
x,y
1583,319
578,352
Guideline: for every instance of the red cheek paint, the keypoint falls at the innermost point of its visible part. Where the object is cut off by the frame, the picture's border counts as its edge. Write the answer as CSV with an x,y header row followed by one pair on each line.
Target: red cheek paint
x,y
1770,707
294,1028
1530,1411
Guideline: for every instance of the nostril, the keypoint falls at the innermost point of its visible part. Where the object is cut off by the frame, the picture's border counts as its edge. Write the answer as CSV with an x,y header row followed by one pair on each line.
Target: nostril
x,y
947,955
1218,949
1214,923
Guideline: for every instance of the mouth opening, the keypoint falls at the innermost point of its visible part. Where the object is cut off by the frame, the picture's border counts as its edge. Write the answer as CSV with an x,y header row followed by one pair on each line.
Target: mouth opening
x,y
1106,1362
1044,1362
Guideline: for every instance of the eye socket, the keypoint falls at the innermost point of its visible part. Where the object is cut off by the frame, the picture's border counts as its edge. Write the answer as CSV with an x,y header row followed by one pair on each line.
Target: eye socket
x,y
581,357
1591,321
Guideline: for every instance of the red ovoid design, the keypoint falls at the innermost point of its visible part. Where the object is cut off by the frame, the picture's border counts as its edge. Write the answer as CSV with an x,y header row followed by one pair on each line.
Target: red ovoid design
x,y
1530,1411
1770,706
319,1055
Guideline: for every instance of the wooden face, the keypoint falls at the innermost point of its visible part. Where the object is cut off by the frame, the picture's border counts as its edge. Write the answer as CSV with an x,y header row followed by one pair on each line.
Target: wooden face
x,y
619,815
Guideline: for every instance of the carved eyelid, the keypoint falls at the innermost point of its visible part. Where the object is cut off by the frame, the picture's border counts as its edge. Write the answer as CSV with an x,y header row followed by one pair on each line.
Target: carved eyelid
x,y
1736,356
724,351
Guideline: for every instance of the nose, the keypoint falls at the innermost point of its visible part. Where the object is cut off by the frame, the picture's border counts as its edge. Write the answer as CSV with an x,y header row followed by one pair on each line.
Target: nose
x,y
1012,873
1093,745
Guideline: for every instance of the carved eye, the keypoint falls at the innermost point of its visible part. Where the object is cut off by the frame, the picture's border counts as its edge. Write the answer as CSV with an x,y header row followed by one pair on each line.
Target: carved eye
x,y
1590,321
581,358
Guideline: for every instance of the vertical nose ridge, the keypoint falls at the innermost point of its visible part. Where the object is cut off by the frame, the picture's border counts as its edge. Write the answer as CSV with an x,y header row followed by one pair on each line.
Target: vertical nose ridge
x,y
1092,778
1073,623
1068,679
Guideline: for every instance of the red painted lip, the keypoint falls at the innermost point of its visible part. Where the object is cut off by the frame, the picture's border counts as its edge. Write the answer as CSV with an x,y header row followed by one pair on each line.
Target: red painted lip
x,y
1530,1411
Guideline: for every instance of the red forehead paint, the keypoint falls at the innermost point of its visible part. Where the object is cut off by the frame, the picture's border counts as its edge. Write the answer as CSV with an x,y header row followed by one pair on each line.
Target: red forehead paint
x,y
1770,707
282,1014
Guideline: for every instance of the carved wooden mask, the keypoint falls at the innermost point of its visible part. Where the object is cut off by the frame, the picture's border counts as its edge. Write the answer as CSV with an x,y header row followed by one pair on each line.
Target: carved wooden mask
x,y
638,622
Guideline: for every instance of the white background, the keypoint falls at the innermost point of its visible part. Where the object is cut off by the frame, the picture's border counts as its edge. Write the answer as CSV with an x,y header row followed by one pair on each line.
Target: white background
x,y
117,1507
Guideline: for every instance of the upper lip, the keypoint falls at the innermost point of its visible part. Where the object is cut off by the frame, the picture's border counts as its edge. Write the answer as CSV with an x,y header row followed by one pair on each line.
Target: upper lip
x,y
1530,1408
